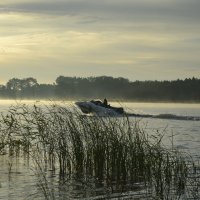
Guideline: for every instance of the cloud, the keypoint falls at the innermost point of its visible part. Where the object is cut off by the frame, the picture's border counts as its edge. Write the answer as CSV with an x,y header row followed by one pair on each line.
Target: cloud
x,y
138,39
117,15
113,9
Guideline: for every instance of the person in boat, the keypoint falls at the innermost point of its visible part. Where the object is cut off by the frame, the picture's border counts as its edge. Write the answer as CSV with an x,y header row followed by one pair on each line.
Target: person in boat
x,y
105,102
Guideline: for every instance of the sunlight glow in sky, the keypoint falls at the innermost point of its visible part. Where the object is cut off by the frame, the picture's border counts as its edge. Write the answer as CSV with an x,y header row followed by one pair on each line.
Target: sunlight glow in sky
x,y
136,39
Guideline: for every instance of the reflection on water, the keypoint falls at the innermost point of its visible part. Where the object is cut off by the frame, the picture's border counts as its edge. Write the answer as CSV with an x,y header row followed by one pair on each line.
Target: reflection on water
x,y
17,179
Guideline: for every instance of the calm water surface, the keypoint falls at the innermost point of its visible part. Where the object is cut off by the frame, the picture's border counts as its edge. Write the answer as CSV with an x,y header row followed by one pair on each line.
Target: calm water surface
x,y
186,133
20,183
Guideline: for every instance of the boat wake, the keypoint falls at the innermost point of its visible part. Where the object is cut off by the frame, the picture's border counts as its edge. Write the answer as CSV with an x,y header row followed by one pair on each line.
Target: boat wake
x,y
165,116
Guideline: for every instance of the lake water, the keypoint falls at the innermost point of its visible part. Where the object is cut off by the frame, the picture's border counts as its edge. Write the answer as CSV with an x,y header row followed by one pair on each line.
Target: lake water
x,y
20,184
186,133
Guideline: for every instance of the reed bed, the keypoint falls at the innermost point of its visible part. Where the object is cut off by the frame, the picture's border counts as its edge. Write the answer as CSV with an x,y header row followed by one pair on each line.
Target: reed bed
x,y
104,155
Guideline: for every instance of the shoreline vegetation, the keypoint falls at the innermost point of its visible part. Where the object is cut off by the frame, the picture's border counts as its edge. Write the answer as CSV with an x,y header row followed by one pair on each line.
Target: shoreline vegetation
x,y
120,89
104,156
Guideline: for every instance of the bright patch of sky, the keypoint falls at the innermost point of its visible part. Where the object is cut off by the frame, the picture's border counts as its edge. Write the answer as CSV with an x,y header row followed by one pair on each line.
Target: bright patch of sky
x,y
136,39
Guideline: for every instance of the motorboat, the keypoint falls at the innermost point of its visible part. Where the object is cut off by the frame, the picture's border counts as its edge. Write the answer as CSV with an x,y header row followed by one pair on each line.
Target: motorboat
x,y
99,108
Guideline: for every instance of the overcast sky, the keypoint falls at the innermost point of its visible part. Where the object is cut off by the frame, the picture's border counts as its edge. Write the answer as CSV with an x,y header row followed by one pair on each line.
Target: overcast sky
x,y
136,39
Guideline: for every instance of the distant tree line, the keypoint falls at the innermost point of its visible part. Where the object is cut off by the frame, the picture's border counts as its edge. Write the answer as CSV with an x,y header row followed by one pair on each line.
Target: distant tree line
x,y
101,87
